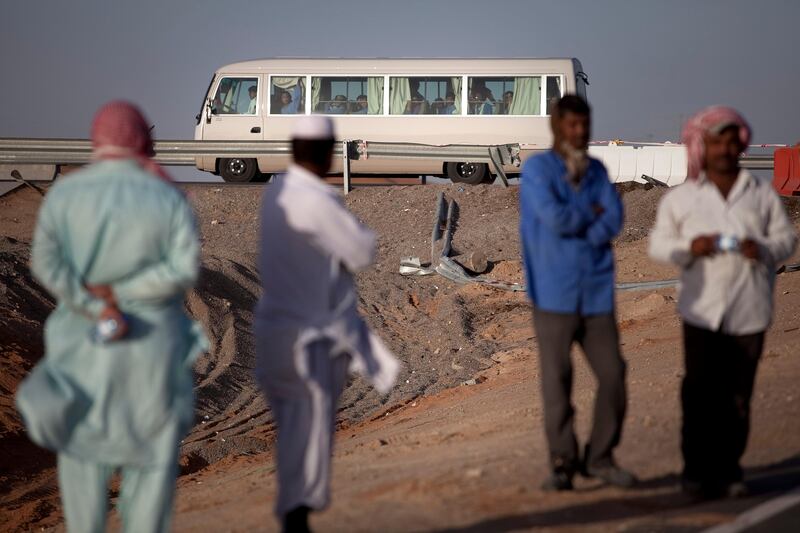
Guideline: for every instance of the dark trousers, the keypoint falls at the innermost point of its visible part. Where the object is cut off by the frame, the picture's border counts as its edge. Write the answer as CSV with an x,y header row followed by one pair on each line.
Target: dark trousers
x,y
720,371
599,338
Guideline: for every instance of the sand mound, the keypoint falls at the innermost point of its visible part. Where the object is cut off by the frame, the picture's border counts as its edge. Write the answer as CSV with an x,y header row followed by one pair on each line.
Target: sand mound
x,y
228,402
641,204
23,307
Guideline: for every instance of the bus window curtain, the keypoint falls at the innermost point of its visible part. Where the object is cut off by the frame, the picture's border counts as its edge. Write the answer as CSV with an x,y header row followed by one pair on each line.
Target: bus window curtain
x,y
399,95
285,83
527,96
456,82
316,87
375,96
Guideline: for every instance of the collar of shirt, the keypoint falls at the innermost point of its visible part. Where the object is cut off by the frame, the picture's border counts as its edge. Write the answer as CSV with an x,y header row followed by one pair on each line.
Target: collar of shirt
x,y
305,177
740,186
562,167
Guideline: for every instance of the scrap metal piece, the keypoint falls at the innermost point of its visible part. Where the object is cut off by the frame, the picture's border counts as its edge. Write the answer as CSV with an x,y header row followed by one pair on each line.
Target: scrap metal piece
x,y
18,177
474,261
441,246
497,162
450,228
454,272
439,223
411,266
654,182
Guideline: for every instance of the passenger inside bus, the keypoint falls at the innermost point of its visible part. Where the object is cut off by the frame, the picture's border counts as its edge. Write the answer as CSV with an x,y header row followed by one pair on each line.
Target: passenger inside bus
x,y
413,85
252,91
508,97
362,105
417,105
338,106
290,101
449,107
481,101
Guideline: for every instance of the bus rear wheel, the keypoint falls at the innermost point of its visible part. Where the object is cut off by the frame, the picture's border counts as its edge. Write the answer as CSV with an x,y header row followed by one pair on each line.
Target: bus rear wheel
x,y
469,173
238,170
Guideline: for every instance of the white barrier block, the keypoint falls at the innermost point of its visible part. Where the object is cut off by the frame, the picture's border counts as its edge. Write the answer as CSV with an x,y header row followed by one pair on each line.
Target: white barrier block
x,y
629,163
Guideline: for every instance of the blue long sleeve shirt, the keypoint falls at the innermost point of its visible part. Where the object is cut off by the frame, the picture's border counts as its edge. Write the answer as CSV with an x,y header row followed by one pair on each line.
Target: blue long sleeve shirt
x,y
566,246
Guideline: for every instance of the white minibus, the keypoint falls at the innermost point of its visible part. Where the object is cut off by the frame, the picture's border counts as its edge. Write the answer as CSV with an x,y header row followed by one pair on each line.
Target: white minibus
x,y
428,101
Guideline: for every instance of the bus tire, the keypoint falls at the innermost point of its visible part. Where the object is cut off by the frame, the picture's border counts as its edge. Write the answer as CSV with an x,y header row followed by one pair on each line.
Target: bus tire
x,y
238,170
469,173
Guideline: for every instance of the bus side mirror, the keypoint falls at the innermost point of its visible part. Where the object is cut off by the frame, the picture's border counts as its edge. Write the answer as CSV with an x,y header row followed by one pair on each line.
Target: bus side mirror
x,y
209,111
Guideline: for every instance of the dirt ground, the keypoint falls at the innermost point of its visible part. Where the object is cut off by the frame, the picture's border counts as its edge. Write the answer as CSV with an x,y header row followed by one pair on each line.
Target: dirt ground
x,y
458,445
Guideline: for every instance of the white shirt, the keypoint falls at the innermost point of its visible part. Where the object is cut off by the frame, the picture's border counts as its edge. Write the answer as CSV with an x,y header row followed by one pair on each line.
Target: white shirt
x,y
251,109
306,233
726,291
310,246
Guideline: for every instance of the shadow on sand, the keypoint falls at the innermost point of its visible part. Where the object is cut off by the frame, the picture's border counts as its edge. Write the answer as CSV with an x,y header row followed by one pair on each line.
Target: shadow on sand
x,y
763,483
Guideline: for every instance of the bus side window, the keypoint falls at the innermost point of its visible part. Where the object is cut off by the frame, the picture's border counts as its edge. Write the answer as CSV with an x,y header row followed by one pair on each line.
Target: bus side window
x,y
288,95
440,95
236,96
553,91
505,95
350,95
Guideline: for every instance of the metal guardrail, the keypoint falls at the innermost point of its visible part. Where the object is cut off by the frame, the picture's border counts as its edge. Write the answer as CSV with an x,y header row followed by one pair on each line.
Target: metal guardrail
x,y
757,162
79,151
28,151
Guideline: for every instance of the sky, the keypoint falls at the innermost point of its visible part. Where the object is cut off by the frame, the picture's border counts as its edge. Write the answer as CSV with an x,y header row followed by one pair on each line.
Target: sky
x,y
651,63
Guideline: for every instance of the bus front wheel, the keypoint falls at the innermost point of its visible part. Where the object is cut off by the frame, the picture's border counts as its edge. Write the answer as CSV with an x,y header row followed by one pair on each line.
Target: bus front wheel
x,y
238,170
469,173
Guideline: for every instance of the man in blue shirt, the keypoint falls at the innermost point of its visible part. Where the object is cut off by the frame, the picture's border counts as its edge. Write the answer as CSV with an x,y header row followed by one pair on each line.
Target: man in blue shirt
x,y
569,213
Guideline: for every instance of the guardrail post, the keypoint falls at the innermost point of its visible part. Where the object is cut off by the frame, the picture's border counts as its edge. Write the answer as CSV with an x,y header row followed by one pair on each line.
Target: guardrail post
x,y
497,161
345,166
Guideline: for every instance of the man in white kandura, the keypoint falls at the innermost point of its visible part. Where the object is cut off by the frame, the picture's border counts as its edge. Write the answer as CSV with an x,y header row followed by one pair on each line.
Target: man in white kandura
x,y
728,232
307,327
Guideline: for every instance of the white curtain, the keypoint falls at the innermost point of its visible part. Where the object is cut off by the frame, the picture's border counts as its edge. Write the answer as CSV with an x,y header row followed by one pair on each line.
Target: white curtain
x,y
316,86
399,95
375,96
456,82
527,96
285,83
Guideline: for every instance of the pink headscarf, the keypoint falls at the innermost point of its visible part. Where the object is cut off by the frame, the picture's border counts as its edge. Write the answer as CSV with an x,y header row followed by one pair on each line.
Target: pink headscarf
x,y
710,119
120,131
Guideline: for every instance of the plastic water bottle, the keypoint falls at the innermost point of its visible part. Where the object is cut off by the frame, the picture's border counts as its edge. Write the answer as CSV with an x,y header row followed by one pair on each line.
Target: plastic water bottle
x,y
727,243
105,330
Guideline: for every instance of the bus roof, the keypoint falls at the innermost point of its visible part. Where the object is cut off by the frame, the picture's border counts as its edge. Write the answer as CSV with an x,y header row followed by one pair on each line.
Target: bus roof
x,y
487,65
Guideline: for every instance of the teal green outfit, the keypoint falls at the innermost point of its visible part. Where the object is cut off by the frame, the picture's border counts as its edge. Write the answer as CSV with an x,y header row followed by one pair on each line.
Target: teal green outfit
x,y
124,404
